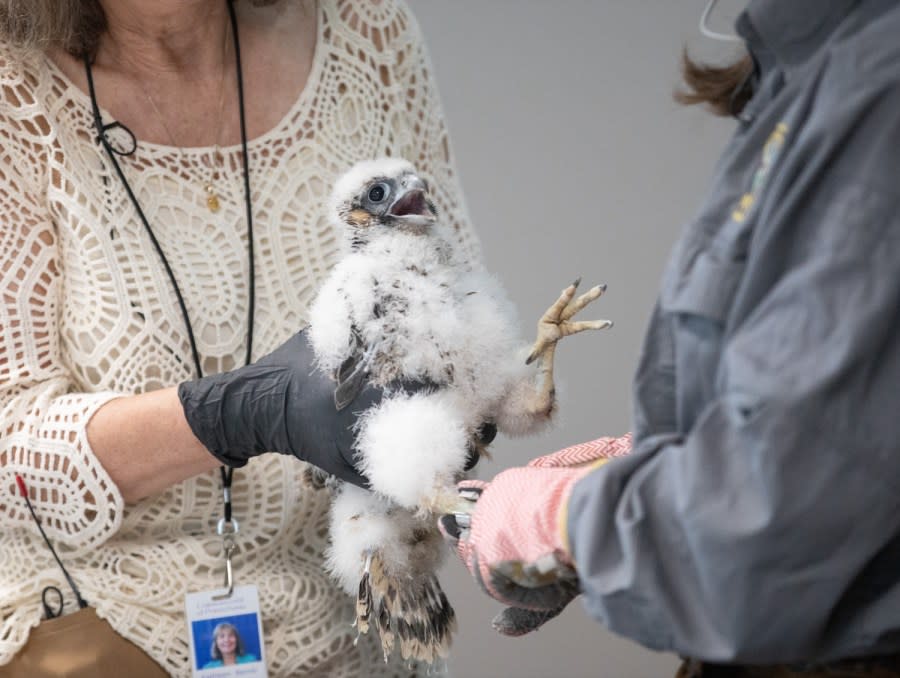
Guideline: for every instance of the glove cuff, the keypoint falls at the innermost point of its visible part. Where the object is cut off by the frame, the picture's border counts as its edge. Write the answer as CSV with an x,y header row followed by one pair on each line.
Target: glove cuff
x,y
204,402
562,517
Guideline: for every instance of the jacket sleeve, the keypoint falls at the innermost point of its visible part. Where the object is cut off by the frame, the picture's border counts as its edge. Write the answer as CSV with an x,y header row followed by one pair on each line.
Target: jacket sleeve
x,y
42,414
748,537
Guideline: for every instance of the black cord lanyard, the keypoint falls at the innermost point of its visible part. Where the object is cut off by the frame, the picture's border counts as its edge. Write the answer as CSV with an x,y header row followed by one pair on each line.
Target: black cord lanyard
x,y
227,526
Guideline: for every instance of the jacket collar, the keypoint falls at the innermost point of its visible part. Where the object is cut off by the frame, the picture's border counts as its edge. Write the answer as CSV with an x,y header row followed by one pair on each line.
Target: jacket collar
x,y
790,30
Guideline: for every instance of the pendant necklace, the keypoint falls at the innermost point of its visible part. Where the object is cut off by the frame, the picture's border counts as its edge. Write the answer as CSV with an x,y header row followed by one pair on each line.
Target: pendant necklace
x,y
209,188
227,526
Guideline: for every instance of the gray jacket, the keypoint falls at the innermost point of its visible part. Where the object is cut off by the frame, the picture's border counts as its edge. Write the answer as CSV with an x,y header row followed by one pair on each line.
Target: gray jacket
x,y
758,518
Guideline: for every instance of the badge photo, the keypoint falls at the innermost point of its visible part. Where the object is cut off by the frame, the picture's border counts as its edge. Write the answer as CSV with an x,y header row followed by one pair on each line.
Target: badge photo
x,y
226,634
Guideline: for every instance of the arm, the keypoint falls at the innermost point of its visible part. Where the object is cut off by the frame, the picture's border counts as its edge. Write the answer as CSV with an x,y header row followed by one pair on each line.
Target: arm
x,y
768,531
42,420
512,536
124,448
86,454
747,539
784,490
77,449
763,533
145,444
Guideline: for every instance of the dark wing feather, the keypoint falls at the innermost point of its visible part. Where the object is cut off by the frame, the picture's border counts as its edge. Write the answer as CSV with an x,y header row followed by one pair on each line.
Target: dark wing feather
x,y
351,376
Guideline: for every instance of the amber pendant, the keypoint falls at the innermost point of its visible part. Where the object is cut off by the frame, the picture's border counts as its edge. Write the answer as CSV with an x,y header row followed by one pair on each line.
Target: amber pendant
x,y
212,200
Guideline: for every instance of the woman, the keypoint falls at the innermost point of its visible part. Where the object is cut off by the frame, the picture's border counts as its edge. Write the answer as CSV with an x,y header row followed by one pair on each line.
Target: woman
x,y
754,527
227,648
94,339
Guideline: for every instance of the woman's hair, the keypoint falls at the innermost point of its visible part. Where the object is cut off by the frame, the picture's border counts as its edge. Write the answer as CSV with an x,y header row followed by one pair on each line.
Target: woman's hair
x,y
724,89
73,25
225,626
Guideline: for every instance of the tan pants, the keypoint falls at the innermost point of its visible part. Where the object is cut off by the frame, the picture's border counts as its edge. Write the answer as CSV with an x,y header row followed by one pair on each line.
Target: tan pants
x,y
80,645
875,667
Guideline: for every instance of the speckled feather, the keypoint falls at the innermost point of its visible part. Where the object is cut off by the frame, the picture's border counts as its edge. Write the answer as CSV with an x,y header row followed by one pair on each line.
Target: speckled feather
x,y
404,303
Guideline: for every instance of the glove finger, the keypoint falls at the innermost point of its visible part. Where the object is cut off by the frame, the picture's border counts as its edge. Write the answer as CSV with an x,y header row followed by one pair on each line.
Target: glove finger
x,y
482,577
515,621
465,550
552,597
546,597
547,569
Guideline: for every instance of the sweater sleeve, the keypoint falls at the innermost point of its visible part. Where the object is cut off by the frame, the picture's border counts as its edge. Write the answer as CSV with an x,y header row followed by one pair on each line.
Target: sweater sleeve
x,y
42,414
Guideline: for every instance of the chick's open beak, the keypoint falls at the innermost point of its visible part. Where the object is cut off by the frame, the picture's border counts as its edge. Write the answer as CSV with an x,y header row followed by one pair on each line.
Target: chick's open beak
x,y
412,201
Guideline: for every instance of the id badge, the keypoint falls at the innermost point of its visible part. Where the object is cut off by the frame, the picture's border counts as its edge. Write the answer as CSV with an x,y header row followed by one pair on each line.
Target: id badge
x,y
225,634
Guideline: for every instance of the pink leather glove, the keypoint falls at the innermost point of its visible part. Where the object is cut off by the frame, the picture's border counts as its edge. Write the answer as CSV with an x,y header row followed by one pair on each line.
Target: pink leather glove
x,y
514,540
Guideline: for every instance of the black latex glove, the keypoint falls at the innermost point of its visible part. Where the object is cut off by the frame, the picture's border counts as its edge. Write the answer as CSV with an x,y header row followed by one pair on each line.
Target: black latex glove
x,y
280,403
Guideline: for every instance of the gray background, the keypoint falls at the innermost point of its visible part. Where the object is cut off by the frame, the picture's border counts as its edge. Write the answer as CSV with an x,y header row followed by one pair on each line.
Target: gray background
x,y
574,161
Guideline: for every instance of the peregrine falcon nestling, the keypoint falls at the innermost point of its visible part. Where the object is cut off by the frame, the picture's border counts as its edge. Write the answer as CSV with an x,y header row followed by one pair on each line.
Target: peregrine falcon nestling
x,y
406,304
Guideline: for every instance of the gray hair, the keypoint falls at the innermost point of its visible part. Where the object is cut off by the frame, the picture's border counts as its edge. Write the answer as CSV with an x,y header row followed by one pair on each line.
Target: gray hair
x,y
73,25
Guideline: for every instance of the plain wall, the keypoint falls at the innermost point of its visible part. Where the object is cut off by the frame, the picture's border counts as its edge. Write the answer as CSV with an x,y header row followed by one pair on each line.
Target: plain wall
x,y
575,161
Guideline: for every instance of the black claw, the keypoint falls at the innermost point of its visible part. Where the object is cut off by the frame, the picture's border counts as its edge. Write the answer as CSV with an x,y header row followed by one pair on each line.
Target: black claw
x,y
451,527
602,287
472,457
487,432
577,282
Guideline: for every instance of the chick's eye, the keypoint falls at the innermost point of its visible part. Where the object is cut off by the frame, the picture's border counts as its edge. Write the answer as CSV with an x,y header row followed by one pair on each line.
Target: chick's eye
x,y
377,193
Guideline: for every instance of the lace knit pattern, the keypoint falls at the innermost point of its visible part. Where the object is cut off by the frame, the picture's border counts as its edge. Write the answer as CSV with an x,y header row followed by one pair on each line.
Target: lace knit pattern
x,y
88,314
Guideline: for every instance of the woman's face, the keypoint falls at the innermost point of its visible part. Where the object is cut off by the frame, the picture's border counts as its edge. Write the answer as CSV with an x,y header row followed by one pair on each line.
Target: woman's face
x,y
226,641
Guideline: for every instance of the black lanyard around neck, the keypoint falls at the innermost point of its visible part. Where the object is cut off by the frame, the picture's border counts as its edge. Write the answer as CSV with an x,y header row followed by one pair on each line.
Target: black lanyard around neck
x,y
103,131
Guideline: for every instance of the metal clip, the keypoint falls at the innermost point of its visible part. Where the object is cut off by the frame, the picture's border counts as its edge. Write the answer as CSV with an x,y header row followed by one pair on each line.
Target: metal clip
x,y
463,520
228,546
226,528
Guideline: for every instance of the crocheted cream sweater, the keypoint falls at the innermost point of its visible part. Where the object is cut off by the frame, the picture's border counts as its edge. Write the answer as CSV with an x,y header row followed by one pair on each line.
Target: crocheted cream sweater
x,y
87,314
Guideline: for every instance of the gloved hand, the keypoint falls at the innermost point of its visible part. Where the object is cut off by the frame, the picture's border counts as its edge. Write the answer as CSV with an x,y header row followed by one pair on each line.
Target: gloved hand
x,y
514,539
280,403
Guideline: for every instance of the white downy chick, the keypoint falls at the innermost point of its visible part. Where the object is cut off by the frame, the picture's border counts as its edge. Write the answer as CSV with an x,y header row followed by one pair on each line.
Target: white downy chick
x,y
405,304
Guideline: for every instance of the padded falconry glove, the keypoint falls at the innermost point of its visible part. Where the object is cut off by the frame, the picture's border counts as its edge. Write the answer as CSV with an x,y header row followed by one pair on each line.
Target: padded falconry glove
x,y
513,540
282,403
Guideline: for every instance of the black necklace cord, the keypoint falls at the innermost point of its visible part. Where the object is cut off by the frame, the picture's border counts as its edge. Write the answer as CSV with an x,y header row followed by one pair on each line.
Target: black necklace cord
x,y
111,150
227,474
82,603
245,157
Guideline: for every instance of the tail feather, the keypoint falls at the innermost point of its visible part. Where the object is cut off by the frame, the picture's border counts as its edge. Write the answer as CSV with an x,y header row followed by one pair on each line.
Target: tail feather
x,y
364,603
412,612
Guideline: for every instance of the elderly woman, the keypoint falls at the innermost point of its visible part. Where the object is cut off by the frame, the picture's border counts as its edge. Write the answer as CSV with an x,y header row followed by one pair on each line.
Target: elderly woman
x,y
162,186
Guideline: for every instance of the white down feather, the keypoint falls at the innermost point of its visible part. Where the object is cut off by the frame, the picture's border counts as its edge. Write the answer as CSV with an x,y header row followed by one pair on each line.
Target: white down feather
x,y
438,319
420,312
362,522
